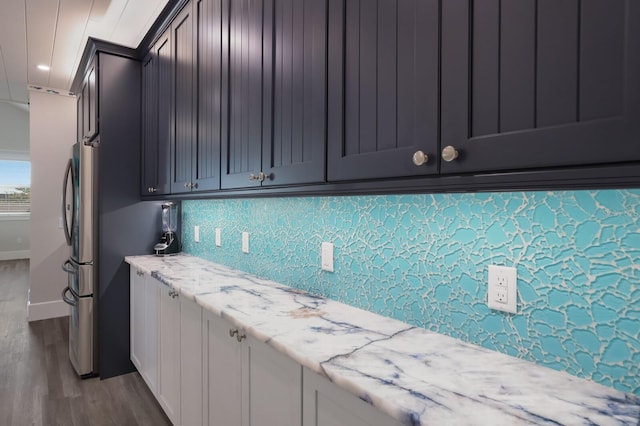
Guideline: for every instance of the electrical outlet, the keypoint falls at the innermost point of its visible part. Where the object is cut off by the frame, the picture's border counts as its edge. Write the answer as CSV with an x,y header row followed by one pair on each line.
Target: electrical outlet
x,y
327,257
245,242
196,234
218,237
503,289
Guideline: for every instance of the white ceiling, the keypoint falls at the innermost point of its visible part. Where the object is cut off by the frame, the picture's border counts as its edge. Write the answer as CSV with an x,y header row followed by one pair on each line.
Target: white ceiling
x,y
54,33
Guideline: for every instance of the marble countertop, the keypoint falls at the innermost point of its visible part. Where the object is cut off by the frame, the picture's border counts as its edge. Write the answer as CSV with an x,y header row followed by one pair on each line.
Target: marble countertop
x,y
416,376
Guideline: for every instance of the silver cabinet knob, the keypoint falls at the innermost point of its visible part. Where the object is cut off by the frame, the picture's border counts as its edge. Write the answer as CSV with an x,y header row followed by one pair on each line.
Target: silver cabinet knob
x,y
233,332
152,189
449,153
193,185
186,185
240,336
420,158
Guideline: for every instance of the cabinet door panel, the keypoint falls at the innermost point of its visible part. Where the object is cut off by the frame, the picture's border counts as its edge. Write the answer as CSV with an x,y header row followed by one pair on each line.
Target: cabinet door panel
x,y
136,291
223,368
151,330
156,113
272,387
164,57
242,92
295,91
539,84
90,102
383,87
150,163
206,158
169,378
325,404
183,99
191,381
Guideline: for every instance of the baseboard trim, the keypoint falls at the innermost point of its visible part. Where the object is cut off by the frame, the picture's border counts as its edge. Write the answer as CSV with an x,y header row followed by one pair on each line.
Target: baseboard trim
x,y
14,255
46,310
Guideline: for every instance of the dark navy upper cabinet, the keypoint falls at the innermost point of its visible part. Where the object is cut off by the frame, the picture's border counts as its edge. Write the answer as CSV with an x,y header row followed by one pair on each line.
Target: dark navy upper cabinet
x,y
274,85
383,88
533,84
242,93
88,104
295,92
205,168
196,40
156,118
183,99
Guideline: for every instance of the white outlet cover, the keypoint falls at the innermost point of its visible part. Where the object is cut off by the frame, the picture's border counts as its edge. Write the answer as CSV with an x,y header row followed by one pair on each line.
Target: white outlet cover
x,y
196,234
218,237
327,257
245,242
503,289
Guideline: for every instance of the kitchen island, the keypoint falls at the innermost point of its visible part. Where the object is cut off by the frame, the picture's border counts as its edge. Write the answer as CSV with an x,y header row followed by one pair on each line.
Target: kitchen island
x,y
415,376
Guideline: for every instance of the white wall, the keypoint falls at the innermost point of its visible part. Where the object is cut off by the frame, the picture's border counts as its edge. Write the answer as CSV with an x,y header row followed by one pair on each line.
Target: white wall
x,y
52,133
14,145
14,237
14,131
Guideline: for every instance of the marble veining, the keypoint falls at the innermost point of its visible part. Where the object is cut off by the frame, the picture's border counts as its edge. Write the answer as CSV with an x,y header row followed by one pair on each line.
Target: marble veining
x,y
415,375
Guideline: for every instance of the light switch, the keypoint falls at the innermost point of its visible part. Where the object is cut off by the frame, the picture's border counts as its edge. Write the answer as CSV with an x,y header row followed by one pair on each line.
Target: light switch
x,y
245,242
218,237
327,257
196,234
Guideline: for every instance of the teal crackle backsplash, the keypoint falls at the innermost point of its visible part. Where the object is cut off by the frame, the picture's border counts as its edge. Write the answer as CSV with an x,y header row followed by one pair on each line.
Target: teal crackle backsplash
x,y
423,259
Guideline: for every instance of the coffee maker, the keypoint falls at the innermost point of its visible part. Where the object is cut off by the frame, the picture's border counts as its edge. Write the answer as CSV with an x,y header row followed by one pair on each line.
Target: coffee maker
x,y
169,243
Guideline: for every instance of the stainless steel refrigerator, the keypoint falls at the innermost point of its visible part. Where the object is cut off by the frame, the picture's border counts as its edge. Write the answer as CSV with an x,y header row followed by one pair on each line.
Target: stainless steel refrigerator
x,y
79,210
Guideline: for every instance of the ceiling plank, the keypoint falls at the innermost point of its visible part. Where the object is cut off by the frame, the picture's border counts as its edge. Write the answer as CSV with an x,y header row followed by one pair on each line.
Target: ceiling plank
x,y
72,22
136,20
13,42
41,25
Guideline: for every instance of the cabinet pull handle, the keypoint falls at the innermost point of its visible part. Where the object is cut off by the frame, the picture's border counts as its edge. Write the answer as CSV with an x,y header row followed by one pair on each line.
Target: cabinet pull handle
x,y
262,176
233,332
449,153
420,158
186,185
193,185
240,337
140,273
152,189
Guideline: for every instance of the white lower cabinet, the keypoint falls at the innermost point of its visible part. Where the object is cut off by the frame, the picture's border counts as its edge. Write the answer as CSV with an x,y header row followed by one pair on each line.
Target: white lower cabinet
x,y
191,377
145,293
206,372
137,327
169,337
249,383
325,404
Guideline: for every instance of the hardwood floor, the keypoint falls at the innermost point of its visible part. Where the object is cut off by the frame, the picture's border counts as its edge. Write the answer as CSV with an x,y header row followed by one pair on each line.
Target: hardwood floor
x,y
37,383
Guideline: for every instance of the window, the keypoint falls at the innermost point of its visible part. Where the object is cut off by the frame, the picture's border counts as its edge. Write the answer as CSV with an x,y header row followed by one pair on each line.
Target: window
x,y
15,186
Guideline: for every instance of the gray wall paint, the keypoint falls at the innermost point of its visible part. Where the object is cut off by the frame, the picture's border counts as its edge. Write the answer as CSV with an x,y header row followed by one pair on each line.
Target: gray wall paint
x,y
53,132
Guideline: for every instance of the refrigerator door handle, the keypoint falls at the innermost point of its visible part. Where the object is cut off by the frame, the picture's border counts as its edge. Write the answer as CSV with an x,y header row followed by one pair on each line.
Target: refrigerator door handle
x,y
68,174
68,267
72,302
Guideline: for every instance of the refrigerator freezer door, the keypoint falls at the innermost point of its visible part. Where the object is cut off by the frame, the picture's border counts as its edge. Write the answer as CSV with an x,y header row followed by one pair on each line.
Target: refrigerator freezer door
x,y
80,278
84,208
81,335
